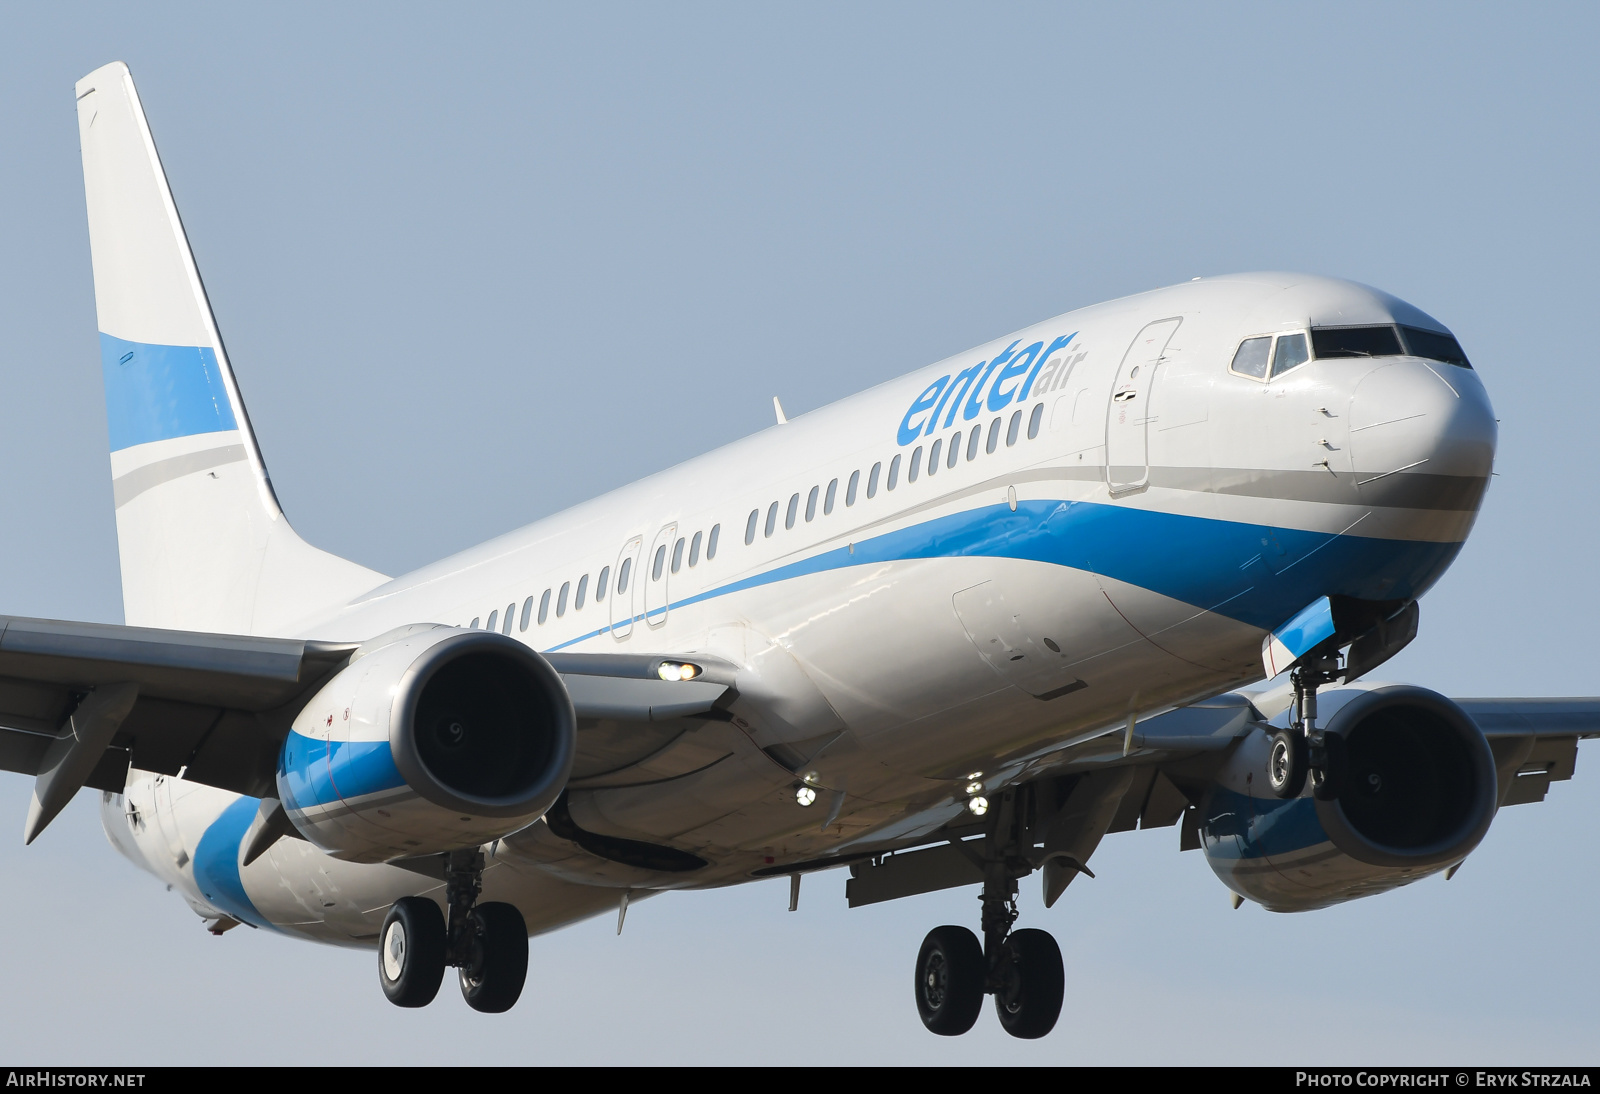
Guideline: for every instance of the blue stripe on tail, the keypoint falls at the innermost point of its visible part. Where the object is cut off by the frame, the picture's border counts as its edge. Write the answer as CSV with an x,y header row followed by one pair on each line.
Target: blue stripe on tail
x,y
154,392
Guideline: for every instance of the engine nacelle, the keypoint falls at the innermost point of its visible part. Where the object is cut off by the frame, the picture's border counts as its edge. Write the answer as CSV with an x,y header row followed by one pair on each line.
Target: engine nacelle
x,y
432,739
1418,794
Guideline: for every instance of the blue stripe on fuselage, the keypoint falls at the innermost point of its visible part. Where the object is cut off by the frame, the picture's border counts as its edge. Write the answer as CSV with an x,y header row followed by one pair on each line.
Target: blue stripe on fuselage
x,y
154,393
216,862
1215,565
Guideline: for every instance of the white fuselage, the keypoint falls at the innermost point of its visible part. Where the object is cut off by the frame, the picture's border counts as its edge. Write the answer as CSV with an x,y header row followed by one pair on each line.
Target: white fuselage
x,y
1131,519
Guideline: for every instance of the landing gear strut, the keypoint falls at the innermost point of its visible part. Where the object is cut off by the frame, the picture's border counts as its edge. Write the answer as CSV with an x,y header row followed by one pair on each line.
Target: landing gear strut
x,y
1021,969
1305,749
487,942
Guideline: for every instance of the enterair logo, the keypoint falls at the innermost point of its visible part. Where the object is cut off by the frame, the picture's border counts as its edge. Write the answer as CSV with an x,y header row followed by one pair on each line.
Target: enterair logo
x,y
1012,373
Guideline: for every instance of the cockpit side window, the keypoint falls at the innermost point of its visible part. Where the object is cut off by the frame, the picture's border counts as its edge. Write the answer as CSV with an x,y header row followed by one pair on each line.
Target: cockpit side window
x,y
1355,342
1252,357
1289,353
1434,346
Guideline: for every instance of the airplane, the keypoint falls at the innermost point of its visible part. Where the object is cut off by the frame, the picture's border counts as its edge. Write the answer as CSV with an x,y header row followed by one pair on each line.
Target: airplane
x,y
951,631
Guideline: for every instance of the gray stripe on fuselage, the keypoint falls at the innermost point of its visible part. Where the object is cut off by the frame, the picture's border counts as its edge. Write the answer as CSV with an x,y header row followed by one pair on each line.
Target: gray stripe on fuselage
x,y
124,488
1403,490
1406,490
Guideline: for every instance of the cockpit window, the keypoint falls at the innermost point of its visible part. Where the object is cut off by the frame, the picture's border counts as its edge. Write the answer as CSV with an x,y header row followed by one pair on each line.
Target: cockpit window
x,y
1434,346
1290,353
1387,341
1356,342
1252,357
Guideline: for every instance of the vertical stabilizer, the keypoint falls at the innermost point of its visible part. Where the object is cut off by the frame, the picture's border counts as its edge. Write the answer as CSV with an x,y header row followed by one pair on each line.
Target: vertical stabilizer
x,y
203,543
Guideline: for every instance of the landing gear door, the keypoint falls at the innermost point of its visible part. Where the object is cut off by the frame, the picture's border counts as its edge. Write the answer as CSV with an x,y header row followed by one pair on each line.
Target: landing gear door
x,y
625,593
1128,413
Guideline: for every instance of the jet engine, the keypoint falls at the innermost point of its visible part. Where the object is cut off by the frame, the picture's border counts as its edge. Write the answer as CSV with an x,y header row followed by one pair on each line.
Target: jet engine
x,y
1415,793
431,739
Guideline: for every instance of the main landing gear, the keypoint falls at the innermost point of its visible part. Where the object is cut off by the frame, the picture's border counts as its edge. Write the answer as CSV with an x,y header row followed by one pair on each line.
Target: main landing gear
x,y
1021,969
1305,750
487,942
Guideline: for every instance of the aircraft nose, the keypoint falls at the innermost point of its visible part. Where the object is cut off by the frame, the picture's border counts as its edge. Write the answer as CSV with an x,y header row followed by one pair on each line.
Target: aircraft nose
x,y
1409,418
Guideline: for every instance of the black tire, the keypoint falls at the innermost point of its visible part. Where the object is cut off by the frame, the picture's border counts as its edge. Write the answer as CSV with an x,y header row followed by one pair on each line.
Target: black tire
x,y
1327,779
950,975
493,982
1286,763
411,952
1034,984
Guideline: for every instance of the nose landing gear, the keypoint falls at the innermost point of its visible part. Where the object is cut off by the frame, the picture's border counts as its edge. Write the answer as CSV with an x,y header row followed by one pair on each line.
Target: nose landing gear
x,y
488,942
1021,969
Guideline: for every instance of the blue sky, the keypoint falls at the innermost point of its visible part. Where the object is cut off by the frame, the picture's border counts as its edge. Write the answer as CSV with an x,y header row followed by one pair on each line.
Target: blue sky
x,y
476,263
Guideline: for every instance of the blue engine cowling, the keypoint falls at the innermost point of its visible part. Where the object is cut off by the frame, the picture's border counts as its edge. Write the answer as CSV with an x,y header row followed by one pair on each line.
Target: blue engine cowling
x,y
431,739
1418,795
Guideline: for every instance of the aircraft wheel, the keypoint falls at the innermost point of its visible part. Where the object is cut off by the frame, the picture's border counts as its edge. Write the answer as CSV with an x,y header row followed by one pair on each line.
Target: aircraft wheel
x,y
411,952
1286,763
1033,984
493,981
950,976
1327,778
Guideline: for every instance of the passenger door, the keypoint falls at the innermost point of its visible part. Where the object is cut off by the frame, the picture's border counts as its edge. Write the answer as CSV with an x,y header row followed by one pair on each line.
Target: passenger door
x,y
1128,413
624,594
658,569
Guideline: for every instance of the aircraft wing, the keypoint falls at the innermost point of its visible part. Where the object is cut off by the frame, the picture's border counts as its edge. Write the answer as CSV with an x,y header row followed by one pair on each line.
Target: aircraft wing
x,y
82,702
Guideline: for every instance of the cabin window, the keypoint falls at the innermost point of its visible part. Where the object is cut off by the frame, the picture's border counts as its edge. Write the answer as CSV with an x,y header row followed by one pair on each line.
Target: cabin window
x,y
1011,430
1250,359
711,543
994,437
750,527
772,520
850,490
511,610
1034,419
527,614
933,455
677,555
544,607
694,551
622,577
827,501
955,449
872,480
561,599
582,594
474,624
600,584
659,564
894,473
811,503
790,513
494,617
972,442
916,465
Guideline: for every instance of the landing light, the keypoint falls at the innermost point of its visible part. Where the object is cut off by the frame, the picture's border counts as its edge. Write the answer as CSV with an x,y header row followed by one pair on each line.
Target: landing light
x,y
974,787
677,670
977,806
805,795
